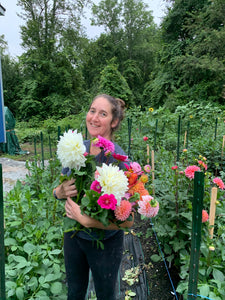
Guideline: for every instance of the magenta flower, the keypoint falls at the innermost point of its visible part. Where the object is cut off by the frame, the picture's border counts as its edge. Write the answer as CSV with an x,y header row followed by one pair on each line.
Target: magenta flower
x,y
122,212
190,171
107,201
145,138
104,144
219,183
147,168
95,186
120,157
174,167
148,207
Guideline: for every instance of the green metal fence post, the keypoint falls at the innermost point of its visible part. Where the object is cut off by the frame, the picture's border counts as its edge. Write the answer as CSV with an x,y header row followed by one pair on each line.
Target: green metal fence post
x,y
197,206
156,126
2,247
178,139
50,146
188,126
129,135
216,128
59,132
35,147
42,150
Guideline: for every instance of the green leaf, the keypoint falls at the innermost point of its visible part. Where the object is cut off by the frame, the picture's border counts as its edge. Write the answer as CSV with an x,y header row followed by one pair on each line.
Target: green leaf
x,y
29,248
50,277
20,293
218,275
155,258
10,242
204,290
56,287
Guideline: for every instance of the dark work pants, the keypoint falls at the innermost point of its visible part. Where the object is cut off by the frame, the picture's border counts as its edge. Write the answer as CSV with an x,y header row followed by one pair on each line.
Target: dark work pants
x,y
81,254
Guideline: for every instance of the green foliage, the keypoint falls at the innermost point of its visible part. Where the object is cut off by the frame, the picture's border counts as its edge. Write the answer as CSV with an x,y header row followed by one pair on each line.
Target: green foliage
x,y
113,83
33,237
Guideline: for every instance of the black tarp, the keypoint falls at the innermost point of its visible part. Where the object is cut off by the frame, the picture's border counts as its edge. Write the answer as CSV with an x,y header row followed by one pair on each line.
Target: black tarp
x,y
132,257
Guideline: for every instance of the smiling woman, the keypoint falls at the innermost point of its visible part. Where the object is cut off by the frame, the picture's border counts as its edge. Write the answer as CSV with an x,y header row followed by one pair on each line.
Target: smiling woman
x,y
80,249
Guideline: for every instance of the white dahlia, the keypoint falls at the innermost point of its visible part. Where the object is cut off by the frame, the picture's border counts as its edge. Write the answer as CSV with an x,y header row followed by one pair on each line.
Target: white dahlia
x,y
113,181
71,149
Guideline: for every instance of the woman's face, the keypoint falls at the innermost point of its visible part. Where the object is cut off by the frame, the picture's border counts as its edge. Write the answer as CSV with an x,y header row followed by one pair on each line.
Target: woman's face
x,y
99,118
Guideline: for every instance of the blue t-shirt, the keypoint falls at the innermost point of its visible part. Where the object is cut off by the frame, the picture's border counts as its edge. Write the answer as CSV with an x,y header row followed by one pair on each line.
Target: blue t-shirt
x,y
92,235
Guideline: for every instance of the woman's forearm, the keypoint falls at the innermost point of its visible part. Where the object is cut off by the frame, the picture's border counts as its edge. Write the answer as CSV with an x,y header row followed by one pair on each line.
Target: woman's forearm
x,y
73,211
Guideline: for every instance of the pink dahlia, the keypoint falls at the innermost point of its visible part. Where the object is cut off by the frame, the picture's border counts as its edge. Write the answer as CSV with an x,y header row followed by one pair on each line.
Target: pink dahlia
x,y
205,216
148,207
95,186
145,138
136,168
104,144
147,168
190,171
120,157
107,201
123,211
219,183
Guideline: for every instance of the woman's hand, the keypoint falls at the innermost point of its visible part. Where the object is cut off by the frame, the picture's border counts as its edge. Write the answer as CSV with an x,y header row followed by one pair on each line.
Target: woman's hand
x,y
66,189
73,212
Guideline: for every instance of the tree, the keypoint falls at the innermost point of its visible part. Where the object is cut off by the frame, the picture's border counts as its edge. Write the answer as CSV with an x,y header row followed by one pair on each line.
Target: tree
x,y
52,37
192,57
113,83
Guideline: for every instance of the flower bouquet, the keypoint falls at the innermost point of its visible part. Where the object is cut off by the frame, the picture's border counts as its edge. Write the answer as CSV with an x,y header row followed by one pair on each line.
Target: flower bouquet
x,y
106,193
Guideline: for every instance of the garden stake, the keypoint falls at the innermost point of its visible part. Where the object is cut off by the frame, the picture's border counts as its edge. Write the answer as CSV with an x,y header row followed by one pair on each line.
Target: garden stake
x,y
156,125
42,150
178,140
2,248
147,153
153,173
216,128
223,146
212,211
185,137
197,206
129,134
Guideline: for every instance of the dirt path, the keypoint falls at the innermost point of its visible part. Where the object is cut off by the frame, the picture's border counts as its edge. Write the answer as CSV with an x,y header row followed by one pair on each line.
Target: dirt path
x,y
12,171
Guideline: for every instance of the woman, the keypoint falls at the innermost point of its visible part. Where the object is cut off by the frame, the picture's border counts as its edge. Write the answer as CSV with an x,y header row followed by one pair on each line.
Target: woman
x,y
81,254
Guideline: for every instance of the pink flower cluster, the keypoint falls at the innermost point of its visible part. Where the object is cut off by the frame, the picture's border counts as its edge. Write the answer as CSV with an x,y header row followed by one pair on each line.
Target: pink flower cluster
x,y
148,207
107,201
190,171
201,163
123,211
205,216
104,144
219,183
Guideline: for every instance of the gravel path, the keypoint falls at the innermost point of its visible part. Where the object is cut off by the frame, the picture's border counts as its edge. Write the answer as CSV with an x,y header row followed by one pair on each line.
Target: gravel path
x,y
12,171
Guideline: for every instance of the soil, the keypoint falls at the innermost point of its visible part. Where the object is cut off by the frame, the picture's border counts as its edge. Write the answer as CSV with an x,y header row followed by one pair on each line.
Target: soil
x,y
160,286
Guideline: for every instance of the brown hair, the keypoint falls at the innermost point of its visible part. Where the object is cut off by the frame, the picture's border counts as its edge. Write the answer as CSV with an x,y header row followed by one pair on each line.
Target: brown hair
x,y
118,108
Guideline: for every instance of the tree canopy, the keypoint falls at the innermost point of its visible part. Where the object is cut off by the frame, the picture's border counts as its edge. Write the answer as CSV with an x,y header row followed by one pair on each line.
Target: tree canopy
x,y
61,69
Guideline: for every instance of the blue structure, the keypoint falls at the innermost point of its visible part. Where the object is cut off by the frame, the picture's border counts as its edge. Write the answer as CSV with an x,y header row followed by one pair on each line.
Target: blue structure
x,y
2,115
2,118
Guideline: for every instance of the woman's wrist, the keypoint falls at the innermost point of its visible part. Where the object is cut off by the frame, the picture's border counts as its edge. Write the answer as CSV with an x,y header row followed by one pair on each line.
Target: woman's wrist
x,y
57,192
